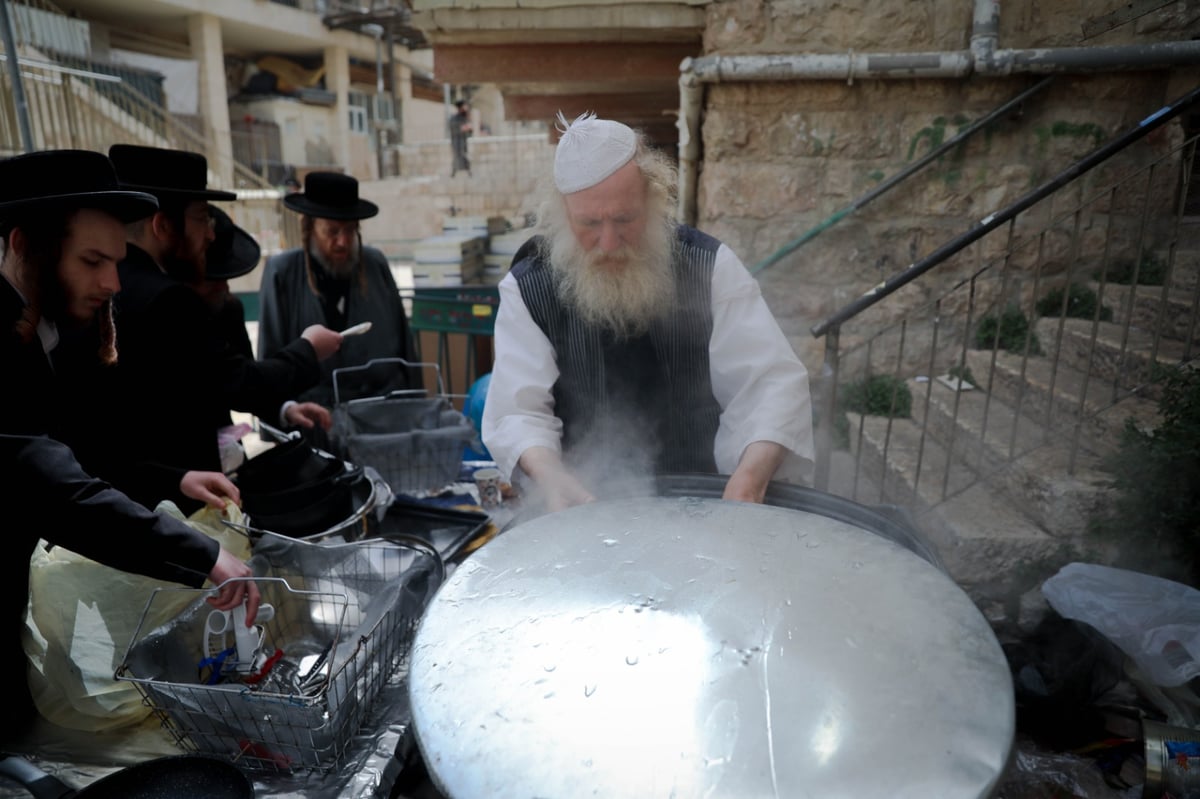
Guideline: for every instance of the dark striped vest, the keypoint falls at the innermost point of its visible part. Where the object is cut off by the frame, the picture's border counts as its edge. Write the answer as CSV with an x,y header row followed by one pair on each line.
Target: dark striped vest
x,y
652,394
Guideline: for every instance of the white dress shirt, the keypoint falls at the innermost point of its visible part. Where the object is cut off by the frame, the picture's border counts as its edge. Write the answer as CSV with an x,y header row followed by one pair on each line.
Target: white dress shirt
x,y
760,384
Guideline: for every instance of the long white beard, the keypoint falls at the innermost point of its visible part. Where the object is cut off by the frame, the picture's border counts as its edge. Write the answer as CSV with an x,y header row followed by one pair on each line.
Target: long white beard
x,y
622,291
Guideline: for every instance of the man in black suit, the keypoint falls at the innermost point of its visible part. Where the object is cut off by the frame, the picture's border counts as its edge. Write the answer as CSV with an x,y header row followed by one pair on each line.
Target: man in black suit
x,y
279,378
175,384
62,219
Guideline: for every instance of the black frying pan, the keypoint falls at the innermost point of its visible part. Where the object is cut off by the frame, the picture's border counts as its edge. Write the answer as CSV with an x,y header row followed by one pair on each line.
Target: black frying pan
x,y
176,777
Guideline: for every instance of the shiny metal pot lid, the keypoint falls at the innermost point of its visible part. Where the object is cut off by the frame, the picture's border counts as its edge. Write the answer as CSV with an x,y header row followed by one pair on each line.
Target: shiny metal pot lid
x,y
698,648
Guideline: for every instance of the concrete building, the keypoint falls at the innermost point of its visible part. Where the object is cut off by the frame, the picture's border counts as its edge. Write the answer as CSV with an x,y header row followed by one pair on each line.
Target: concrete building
x,y
280,87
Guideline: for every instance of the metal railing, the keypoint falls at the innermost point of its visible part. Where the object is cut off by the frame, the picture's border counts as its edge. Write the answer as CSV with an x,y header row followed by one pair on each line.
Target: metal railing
x,y
1000,112
1055,325
74,101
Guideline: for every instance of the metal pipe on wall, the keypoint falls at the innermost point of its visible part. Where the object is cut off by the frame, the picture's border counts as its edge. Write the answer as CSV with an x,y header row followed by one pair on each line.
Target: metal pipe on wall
x,y
982,58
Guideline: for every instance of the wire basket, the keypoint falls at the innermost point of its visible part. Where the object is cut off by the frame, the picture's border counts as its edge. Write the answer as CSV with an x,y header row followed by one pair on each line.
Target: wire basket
x,y
344,617
414,441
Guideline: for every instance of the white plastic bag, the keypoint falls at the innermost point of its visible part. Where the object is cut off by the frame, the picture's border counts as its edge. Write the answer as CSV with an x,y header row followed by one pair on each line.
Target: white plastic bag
x,y
81,618
1154,621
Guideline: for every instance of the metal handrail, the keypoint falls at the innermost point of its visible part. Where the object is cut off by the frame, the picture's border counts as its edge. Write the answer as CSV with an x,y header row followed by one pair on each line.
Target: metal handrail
x,y
901,176
995,220
123,97
194,140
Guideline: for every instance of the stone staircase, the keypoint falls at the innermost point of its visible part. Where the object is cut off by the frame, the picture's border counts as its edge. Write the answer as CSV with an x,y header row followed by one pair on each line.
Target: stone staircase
x,y
412,206
1003,478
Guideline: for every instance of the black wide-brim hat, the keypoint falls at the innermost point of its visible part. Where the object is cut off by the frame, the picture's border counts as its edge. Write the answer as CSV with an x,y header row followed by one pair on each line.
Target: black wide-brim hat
x,y
233,252
167,174
331,195
42,182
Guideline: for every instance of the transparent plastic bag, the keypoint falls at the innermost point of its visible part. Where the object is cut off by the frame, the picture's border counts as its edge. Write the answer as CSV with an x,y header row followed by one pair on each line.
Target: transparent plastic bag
x,y
1156,622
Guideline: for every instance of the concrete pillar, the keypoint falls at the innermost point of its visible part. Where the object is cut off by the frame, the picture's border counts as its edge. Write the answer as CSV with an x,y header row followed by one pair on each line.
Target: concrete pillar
x,y
204,34
337,80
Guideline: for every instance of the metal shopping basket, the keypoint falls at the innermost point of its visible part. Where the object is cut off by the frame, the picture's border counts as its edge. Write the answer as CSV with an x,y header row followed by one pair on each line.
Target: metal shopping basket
x,y
341,622
413,439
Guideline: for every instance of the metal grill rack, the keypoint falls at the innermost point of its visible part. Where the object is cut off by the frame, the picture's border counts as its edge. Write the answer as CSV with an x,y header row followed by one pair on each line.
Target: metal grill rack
x,y
415,441
344,618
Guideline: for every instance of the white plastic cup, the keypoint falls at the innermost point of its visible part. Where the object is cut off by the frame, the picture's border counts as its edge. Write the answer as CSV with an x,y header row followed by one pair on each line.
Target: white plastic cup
x,y
487,482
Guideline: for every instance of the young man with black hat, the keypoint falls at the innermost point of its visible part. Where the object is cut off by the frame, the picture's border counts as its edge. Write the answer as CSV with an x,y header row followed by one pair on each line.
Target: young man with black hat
x,y
169,346
62,218
336,281
232,254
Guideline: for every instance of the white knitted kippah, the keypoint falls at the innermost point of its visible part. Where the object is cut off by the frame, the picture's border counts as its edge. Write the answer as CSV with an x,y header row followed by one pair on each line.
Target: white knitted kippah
x,y
590,150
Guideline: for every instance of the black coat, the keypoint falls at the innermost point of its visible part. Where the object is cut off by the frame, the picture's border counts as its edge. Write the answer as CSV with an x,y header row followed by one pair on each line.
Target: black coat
x,y
173,386
287,305
46,494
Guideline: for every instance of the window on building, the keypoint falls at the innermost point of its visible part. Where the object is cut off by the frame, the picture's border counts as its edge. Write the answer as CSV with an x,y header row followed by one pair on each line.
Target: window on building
x,y
358,105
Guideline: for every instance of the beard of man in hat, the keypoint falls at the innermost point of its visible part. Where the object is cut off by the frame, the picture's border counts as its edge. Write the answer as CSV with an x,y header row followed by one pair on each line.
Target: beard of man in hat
x,y
65,265
334,245
177,237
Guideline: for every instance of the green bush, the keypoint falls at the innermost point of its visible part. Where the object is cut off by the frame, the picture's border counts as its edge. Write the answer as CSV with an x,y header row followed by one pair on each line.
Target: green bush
x,y
841,431
1012,328
878,395
1081,304
1152,271
1156,477
962,372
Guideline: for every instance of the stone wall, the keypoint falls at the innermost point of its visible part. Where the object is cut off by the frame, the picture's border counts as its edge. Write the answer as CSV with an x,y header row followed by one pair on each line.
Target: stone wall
x,y
780,158
504,171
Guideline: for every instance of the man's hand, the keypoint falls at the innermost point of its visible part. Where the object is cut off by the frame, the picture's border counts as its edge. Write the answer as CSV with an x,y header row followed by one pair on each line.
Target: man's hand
x,y
308,414
233,594
754,471
561,488
211,488
323,340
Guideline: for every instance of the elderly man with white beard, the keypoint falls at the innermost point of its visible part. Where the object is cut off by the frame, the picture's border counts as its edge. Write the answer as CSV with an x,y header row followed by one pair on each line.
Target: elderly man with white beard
x,y
629,344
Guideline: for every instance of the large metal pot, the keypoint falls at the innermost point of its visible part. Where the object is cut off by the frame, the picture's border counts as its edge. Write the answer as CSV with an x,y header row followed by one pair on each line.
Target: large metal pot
x,y
687,646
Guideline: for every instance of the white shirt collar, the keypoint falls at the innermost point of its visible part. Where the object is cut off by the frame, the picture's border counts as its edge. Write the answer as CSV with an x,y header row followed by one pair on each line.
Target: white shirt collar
x,y
48,332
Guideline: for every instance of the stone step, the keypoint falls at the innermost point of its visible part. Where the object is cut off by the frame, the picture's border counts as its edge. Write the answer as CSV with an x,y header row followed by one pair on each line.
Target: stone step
x,y
1119,353
993,552
1146,308
1186,269
1015,455
911,469
980,535
1055,398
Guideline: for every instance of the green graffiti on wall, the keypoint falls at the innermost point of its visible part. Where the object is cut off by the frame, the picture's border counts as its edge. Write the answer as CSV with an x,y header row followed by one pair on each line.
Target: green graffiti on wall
x,y
1068,130
935,135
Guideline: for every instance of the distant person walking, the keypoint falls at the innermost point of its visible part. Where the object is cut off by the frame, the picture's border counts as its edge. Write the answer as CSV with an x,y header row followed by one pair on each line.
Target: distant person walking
x,y
460,131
